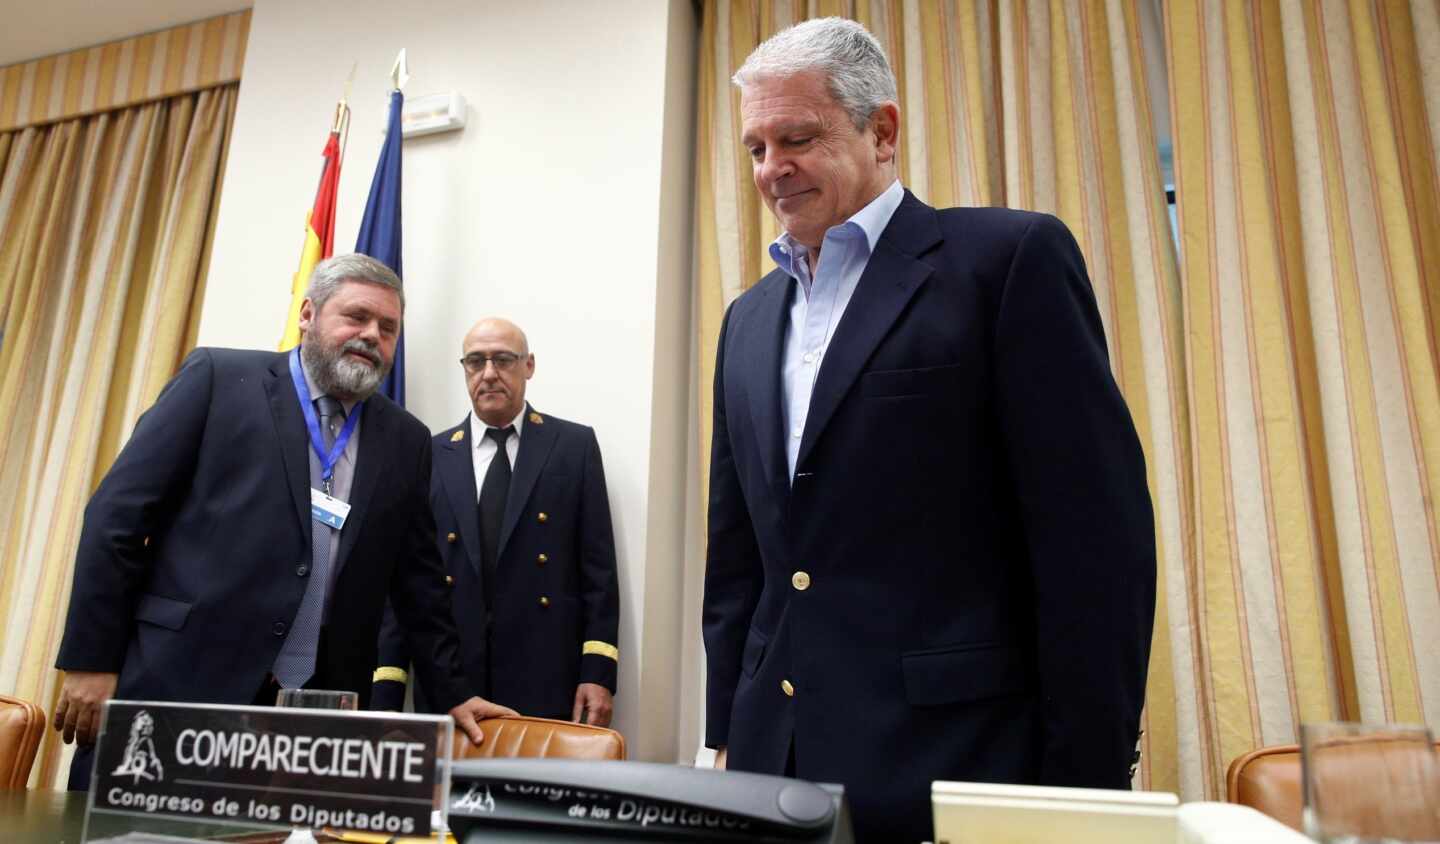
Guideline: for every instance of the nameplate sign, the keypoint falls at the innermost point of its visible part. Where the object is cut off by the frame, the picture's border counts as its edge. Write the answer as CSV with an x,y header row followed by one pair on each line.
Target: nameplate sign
x,y
266,767
635,800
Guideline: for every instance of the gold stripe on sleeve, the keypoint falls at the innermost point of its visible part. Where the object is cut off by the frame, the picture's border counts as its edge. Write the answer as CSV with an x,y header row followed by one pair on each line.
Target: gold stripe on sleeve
x,y
390,672
600,648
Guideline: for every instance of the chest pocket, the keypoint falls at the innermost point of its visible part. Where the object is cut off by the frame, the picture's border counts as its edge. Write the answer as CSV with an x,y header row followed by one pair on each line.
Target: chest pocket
x,y
902,383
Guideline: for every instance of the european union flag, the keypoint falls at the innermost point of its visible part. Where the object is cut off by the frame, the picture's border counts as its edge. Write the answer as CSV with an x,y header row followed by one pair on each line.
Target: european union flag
x,y
380,229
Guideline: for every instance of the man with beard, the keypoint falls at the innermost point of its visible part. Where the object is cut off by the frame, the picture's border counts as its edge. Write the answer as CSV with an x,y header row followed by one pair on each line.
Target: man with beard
x,y
248,534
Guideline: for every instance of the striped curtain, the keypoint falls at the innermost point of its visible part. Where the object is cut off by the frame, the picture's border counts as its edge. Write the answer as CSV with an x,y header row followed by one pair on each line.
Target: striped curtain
x,y
123,73
105,226
1286,393
1306,135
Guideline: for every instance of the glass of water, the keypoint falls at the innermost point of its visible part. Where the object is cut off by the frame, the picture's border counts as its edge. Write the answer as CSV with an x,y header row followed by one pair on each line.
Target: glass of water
x,y
1370,784
313,699
317,699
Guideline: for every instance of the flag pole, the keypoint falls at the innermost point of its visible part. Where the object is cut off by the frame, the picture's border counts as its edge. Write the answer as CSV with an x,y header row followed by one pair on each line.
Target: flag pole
x,y
342,111
319,238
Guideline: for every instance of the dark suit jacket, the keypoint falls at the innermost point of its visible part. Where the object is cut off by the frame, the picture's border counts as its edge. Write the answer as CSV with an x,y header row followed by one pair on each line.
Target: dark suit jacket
x,y
195,550
557,595
971,508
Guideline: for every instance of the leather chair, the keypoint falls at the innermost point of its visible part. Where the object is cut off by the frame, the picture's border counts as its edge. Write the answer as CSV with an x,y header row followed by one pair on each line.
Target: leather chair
x,y
540,738
22,724
1268,779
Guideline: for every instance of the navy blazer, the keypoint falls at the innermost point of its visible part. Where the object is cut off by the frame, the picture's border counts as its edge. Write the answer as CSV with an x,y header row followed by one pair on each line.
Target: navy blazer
x,y
557,600
195,549
970,512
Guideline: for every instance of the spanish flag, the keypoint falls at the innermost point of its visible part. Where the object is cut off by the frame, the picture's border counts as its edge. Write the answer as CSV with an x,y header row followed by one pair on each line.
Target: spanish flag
x,y
319,230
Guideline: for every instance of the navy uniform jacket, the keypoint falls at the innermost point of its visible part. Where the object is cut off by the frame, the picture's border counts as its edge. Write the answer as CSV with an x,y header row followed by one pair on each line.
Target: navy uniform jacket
x,y
960,582
195,550
557,603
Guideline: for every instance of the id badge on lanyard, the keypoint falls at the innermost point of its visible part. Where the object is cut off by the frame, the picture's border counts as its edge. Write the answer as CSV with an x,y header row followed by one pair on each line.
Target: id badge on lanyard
x,y
324,508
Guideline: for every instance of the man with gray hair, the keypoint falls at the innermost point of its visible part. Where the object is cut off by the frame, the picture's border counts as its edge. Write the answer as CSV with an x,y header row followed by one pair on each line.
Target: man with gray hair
x,y
931,549
248,534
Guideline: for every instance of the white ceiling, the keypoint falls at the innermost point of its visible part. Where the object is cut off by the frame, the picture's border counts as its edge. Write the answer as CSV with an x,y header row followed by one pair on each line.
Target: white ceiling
x,y
35,28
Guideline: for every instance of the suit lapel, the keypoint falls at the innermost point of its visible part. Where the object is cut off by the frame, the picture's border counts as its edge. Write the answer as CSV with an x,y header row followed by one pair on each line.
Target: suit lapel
x,y
764,344
456,466
890,280
369,457
535,444
294,442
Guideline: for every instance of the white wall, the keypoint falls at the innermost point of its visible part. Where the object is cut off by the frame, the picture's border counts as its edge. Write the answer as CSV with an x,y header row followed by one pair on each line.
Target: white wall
x,y
565,205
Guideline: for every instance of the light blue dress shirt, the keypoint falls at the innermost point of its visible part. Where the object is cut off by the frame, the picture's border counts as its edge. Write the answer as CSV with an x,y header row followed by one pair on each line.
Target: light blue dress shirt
x,y
342,481
820,301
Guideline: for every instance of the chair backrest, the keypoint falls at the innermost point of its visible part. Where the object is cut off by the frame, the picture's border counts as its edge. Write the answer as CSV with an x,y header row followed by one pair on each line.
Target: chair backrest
x,y
541,738
1268,779
22,724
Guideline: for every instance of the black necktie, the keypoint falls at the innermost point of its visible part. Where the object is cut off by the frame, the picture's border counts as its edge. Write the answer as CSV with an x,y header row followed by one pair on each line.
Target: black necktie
x,y
494,492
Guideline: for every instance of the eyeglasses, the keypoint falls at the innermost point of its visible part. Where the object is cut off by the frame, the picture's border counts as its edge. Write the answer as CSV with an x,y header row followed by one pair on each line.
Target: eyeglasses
x,y
503,362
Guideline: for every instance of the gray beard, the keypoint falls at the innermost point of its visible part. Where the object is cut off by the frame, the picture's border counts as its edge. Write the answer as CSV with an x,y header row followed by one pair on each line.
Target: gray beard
x,y
339,376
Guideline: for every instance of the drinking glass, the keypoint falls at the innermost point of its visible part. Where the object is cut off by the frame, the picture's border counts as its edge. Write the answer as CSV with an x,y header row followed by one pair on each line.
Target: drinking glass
x,y
317,699
1370,784
313,699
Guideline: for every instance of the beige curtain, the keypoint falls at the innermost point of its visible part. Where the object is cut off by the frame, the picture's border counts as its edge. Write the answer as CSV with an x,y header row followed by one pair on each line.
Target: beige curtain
x,y
1306,177
126,72
1286,392
105,223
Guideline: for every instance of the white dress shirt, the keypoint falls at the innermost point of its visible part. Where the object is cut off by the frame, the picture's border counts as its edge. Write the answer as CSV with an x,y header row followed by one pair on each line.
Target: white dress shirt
x,y
483,448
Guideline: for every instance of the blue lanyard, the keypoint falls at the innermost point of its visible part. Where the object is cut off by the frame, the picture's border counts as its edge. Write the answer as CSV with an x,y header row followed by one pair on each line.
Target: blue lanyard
x,y
312,422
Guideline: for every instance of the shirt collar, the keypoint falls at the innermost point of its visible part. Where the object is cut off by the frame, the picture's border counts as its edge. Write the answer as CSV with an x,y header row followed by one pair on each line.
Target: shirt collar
x,y
316,392
478,427
870,220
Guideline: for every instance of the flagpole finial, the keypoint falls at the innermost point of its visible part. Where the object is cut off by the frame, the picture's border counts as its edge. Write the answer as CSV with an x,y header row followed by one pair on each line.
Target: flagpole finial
x,y
400,71
342,108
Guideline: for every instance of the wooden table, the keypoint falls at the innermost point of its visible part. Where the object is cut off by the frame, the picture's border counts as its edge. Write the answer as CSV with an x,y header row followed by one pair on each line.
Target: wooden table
x,y
58,817
42,816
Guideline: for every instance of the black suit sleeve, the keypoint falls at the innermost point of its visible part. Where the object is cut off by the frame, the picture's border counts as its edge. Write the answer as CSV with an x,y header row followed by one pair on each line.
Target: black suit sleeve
x,y
388,689
1089,531
134,502
599,583
421,601
733,573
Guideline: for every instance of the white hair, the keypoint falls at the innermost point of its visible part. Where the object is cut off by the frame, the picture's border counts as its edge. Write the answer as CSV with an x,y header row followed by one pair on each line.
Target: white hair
x,y
850,58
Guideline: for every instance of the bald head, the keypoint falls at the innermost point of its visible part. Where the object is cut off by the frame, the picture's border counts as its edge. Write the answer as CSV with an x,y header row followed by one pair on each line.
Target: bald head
x,y
498,364
497,328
